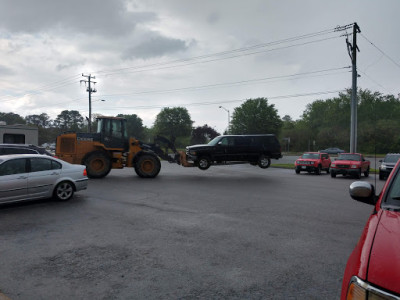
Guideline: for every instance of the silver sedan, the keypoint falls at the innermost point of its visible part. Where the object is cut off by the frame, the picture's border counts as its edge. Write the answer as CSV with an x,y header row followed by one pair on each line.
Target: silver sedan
x,y
35,176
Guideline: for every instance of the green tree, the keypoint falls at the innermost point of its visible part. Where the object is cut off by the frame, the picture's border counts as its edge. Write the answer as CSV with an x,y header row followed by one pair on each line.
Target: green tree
x,y
69,120
11,118
173,123
255,116
42,120
134,126
203,134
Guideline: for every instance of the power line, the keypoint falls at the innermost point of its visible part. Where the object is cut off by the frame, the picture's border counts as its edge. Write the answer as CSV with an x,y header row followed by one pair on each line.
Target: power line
x,y
242,82
381,51
140,69
323,32
217,102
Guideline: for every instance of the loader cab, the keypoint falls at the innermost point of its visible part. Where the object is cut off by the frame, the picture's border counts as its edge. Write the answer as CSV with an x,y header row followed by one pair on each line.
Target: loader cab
x,y
113,132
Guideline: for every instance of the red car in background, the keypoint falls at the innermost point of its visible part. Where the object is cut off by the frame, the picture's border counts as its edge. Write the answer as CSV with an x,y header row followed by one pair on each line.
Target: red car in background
x,y
353,164
373,268
313,162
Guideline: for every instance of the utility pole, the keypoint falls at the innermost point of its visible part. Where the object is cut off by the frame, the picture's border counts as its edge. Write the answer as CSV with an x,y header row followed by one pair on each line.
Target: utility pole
x,y
352,50
90,91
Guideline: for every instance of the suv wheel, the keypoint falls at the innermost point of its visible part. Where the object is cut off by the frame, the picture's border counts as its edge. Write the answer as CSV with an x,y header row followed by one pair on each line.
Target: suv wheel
x,y
318,170
204,163
264,162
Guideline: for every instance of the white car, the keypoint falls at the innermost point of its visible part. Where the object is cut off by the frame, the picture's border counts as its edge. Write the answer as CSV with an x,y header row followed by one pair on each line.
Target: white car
x,y
35,176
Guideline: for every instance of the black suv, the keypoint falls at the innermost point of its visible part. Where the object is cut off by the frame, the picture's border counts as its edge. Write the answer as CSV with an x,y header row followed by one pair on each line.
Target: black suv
x,y
22,149
230,149
387,164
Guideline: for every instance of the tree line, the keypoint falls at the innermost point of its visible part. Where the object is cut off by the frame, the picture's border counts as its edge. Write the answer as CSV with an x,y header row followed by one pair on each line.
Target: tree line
x,y
323,124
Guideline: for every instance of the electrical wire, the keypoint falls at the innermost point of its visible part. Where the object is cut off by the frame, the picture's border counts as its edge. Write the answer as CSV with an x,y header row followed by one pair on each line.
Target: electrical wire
x,y
243,82
381,51
220,53
217,102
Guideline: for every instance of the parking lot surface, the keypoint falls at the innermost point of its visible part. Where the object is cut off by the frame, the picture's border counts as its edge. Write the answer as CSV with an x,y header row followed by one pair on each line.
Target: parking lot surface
x,y
231,232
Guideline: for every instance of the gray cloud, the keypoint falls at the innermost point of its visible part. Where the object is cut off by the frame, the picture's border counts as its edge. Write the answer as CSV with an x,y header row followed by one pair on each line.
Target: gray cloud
x,y
155,47
4,71
107,18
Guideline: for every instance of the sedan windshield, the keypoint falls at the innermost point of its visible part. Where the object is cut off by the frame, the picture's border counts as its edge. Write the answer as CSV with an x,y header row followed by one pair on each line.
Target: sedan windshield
x,y
310,156
355,157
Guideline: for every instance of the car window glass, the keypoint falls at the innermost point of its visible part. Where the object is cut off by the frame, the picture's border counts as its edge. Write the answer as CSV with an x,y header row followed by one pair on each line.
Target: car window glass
x,y
40,164
55,165
393,196
15,166
242,141
392,158
18,151
224,141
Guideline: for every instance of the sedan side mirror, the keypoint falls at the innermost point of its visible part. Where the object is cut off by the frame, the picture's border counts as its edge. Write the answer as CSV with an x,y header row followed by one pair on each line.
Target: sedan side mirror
x,y
363,192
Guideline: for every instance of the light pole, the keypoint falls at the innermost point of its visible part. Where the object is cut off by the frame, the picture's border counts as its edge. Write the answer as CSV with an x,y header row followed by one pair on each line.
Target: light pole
x,y
229,118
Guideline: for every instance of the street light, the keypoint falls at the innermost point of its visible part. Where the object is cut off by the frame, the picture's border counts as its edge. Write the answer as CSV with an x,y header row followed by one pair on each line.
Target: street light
x,y
229,118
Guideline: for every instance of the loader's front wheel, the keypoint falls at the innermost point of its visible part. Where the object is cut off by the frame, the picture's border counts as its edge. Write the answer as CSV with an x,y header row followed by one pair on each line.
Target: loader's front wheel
x,y
147,166
98,164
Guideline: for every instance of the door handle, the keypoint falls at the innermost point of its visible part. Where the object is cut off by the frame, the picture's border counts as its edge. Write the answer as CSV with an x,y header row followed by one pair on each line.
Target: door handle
x,y
54,173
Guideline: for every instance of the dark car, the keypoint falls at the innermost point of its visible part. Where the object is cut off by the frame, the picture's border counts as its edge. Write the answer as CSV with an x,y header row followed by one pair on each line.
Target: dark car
x,y
6,149
387,164
373,268
229,149
332,151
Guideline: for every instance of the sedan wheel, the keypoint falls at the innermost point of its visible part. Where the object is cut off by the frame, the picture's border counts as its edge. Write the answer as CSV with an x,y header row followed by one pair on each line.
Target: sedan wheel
x,y
64,191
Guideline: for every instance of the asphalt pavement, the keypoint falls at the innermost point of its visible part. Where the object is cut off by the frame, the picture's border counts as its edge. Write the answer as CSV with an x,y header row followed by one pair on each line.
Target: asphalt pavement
x,y
230,232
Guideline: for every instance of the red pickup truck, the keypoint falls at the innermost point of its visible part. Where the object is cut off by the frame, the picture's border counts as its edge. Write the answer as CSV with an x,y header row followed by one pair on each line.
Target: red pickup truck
x,y
350,164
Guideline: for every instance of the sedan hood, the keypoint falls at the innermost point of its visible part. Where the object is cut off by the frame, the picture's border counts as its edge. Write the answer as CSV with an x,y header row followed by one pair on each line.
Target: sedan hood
x,y
384,266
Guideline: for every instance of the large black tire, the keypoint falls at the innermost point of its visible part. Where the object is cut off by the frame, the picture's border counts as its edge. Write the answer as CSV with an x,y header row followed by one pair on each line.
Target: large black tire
x,y
318,170
98,164
333,174
358,174
381,177
204,163
264,162
297,170
147,166
64,191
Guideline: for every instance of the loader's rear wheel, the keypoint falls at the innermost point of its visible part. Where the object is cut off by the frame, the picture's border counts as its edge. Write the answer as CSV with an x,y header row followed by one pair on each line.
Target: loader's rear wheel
x,y
98,164
147,166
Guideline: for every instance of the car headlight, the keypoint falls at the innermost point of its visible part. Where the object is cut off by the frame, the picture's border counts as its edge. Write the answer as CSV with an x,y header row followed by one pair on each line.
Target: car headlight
x,y
192,152
360,290
333,165
382,167
353,166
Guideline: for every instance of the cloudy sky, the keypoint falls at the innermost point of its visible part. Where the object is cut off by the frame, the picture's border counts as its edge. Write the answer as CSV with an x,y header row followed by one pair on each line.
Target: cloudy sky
x,y
148,54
